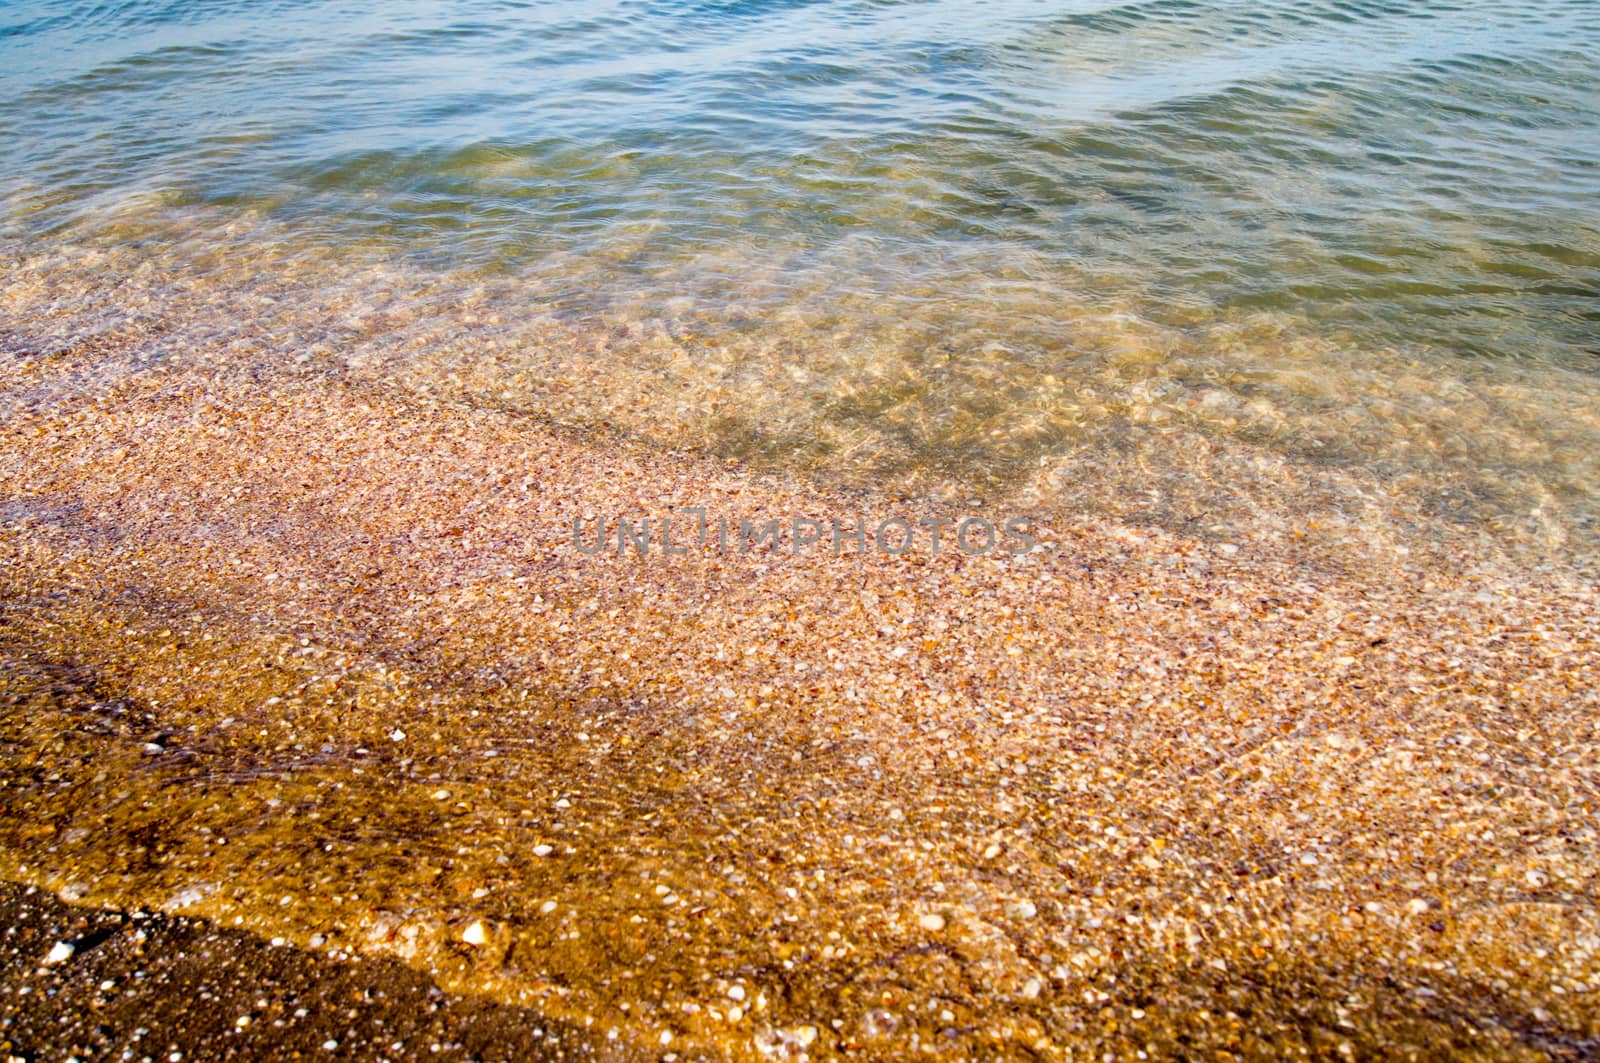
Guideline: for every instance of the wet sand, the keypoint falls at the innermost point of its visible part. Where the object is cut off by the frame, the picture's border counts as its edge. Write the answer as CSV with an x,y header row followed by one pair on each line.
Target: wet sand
x,y
317,659
143,985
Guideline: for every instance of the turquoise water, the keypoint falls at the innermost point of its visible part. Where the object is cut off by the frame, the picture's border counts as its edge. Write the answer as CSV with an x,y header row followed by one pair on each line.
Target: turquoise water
x,y
1407,171
905,223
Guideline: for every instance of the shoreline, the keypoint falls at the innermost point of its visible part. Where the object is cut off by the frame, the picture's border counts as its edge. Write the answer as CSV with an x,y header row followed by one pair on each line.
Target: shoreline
x,y
1129,792
1230,429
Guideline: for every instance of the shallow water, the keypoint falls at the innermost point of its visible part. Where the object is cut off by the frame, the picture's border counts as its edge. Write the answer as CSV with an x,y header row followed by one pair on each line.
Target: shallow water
x,y
1404,172
906,244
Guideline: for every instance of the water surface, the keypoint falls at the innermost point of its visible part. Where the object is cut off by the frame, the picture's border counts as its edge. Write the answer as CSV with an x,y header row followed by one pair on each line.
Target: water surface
x,y
891,240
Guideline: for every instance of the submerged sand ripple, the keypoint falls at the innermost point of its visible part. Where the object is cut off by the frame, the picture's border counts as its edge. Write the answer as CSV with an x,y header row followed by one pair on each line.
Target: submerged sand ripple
x,y
316,658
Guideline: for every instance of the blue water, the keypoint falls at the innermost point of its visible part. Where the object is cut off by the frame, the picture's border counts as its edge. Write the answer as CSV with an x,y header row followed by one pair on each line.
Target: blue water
x,y
958,233
1413,171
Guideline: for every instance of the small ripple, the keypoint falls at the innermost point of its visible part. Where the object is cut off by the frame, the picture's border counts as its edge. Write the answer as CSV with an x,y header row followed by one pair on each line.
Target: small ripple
x,y
1306,155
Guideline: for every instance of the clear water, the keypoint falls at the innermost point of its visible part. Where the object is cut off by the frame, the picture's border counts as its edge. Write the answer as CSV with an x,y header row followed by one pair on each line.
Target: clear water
x,y
891,238
1310,274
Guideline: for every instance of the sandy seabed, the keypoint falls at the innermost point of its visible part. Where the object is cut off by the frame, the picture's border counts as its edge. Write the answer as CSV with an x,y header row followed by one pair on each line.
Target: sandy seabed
x,y
318,659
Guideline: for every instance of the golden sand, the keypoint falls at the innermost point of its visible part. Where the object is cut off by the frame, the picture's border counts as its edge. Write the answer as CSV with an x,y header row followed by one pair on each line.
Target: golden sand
x,y
316,659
